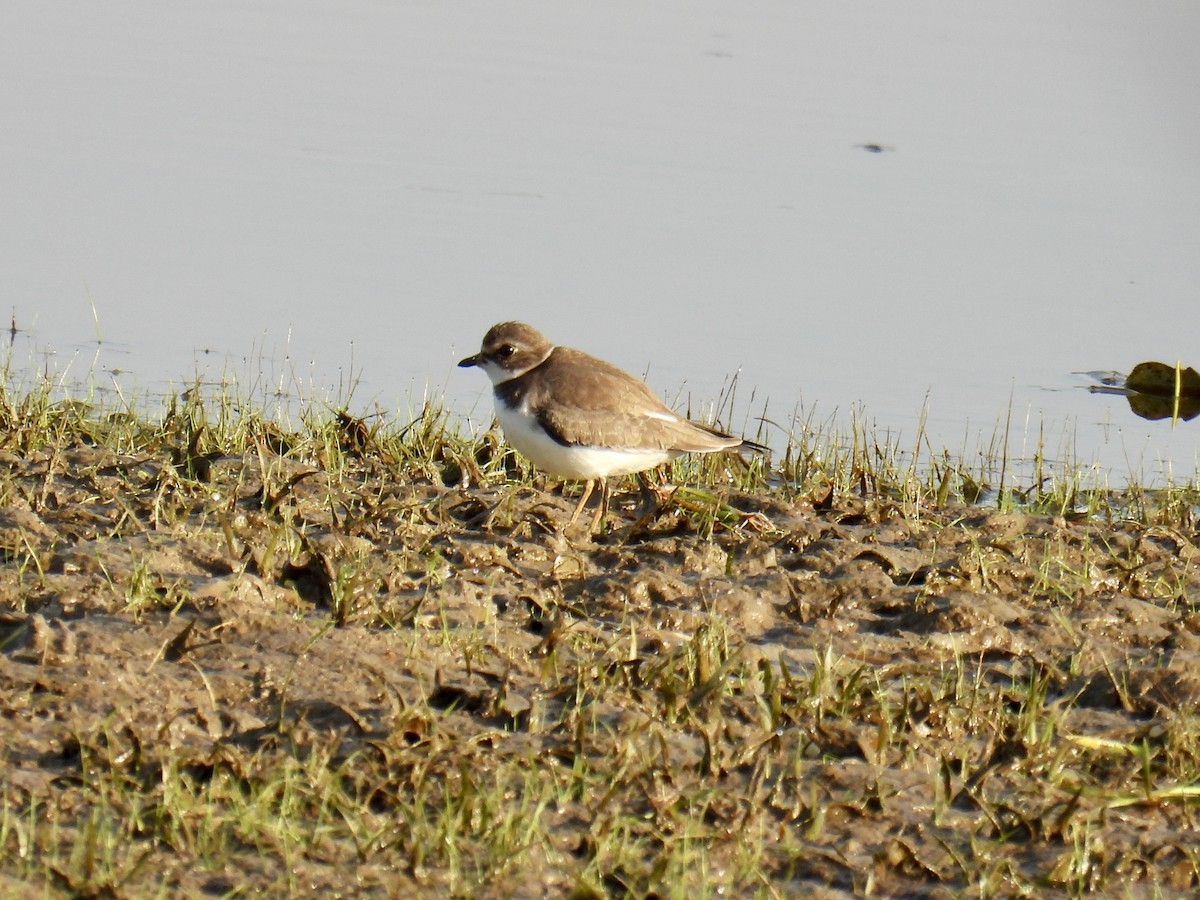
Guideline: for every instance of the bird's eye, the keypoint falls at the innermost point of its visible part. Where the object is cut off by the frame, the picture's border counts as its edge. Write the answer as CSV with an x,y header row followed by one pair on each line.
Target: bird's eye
x,y
506,351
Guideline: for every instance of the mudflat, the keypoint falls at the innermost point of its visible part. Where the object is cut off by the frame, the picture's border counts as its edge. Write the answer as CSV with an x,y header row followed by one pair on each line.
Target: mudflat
x,y
237,660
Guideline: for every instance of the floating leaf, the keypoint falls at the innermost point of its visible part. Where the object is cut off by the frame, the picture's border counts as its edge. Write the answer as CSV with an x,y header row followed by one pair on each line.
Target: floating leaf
x,y
1159,380
1158,391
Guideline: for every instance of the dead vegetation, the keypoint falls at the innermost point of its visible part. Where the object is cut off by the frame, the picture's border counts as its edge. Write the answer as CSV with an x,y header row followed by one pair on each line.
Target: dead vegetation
x,y
343,660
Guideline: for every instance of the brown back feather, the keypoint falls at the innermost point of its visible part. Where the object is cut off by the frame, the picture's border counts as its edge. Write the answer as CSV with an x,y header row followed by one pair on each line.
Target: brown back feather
x,y
606,406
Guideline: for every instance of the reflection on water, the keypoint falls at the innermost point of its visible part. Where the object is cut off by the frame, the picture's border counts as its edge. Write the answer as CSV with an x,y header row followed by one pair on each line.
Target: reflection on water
x,y
108,375
1155,390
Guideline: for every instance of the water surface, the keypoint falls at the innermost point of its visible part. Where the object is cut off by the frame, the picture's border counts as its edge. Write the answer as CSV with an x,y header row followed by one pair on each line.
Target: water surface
x,y
325,195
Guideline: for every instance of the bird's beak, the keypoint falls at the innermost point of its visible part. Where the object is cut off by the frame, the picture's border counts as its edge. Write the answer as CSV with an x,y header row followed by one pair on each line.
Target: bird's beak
x,y
469,361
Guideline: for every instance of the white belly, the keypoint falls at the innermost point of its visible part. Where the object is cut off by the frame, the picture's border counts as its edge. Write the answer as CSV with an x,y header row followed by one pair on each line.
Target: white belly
x,y
574,461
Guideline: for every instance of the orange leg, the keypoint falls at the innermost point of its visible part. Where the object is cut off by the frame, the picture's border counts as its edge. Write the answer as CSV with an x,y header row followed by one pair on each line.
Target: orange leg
x,y
587,492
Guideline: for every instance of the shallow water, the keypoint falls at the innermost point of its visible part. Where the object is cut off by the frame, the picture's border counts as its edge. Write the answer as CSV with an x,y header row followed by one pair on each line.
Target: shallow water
x,y
306,196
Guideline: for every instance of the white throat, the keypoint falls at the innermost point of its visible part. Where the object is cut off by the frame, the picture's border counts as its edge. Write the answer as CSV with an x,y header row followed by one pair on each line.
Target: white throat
x,y
498,374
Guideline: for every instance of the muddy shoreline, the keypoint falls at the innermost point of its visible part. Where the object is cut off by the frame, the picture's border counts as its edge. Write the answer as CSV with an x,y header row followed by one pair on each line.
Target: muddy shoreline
x,y
230,673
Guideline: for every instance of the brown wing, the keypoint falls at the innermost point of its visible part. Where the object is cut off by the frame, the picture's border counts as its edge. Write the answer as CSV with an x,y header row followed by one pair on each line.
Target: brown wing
x,y
605,406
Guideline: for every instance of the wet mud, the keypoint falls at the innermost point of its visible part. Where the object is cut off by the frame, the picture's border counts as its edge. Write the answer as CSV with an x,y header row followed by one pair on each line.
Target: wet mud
x,y
793,697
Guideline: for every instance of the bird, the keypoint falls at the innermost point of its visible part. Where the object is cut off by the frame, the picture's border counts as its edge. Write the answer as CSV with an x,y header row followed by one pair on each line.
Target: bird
x,y
578,417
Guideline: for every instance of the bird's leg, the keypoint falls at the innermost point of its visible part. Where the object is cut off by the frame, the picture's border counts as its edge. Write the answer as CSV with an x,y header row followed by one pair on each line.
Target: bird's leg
x,y
587,492
601,506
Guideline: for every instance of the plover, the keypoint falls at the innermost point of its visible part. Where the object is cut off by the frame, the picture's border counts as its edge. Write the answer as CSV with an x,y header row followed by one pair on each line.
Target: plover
x,y
575,416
